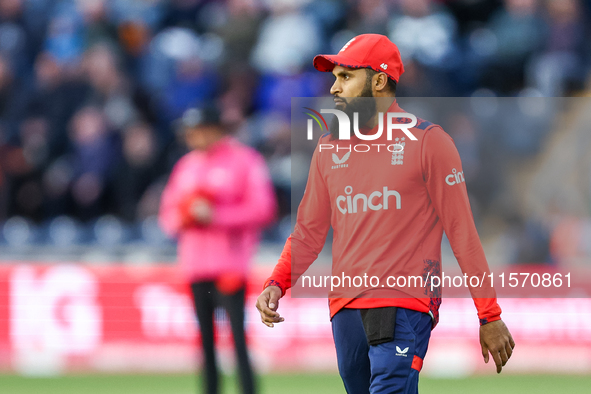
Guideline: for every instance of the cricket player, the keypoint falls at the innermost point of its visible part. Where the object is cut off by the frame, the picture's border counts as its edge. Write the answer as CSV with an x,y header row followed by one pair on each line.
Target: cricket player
x,y
388,209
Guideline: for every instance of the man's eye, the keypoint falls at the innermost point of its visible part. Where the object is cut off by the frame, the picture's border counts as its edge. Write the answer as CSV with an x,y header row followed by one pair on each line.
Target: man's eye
x,y
346,77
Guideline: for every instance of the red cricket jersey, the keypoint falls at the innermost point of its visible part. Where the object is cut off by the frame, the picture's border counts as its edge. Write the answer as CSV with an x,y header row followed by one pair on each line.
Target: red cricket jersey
x,y
388,211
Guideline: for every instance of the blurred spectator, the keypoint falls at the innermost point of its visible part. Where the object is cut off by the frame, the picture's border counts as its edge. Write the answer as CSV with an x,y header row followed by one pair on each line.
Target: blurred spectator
x,y
560,65
177,74
518,31
27,165
53,95
237,100
425,33
110,87
182,13
139,166
288,40
471,14
16,41
191,84
10,98
369,17
64,39
99,28
239,32
94,153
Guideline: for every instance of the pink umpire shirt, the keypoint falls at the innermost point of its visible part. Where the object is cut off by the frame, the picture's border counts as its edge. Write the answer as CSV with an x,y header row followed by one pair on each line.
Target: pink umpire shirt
x,y
236,179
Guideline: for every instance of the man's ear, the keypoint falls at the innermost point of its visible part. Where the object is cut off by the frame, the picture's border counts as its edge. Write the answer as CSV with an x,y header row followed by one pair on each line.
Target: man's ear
x,y
380,82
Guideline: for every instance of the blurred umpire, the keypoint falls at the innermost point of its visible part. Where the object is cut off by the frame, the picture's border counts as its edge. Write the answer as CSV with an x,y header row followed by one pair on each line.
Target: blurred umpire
x,y
217,199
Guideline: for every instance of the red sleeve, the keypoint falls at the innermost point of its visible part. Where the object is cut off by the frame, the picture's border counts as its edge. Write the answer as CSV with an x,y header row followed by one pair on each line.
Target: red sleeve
x,y
312,225
443,175
281,276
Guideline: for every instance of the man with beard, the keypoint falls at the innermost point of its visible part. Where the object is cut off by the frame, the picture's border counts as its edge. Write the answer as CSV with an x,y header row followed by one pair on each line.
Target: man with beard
x,y
365,108
388,209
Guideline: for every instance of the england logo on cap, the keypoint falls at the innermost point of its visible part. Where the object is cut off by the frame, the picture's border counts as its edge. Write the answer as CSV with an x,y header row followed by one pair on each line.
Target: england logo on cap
x,y
347,44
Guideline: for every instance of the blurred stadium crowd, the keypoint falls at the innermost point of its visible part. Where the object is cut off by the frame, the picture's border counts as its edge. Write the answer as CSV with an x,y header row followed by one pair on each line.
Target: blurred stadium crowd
x,y
90,91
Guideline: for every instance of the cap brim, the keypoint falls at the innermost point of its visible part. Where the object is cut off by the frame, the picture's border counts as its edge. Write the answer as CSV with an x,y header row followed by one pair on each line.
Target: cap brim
x,y
326,63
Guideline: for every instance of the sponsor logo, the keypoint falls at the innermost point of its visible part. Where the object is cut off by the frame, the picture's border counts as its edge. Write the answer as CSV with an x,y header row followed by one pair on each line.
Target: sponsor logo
x,y
384,66
376,201
455,177
55,314
401,352
340,163
164,312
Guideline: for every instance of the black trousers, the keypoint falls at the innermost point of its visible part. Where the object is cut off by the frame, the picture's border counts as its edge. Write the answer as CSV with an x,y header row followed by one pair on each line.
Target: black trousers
x,y
206,298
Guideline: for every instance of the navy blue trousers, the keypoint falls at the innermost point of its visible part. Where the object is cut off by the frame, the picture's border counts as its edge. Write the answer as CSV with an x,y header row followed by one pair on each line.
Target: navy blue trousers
x,y
391,367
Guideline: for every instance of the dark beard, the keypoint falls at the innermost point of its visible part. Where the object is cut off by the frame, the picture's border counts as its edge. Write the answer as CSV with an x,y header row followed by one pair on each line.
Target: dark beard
x,y
365,107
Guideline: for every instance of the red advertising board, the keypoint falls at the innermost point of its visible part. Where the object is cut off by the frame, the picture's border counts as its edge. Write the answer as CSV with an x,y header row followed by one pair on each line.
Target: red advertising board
x,y
70,317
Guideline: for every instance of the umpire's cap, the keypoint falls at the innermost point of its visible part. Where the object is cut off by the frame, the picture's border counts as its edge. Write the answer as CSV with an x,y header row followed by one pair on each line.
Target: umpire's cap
x,y
202,116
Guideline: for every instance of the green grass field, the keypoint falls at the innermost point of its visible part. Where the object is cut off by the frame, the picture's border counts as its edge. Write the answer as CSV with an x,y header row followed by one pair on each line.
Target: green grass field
x,y
284,384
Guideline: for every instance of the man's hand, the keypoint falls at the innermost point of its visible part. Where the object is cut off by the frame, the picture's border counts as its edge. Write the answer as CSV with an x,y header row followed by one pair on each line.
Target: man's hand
x,y
496,339
201,211
267,304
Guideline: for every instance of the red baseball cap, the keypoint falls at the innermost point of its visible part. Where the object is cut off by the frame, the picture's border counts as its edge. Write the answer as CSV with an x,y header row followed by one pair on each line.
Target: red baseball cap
x,y
373,51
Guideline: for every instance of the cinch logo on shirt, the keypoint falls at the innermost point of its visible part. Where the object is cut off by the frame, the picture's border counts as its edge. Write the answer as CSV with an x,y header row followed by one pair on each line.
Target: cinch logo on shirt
x,y
455,177
347,204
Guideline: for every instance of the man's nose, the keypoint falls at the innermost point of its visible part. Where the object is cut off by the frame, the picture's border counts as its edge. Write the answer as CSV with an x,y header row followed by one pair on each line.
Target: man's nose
x,y
335,88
